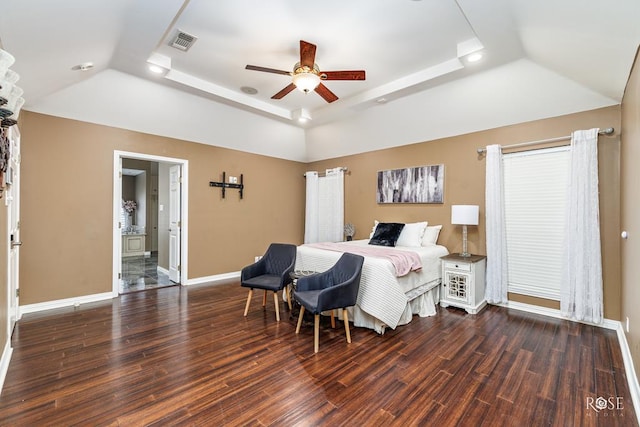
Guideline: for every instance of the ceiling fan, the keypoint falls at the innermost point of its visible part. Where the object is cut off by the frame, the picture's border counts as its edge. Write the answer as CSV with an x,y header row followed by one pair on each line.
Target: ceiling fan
x,y
307,75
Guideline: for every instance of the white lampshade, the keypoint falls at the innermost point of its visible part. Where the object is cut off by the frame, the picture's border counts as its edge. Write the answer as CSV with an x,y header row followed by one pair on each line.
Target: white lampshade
x,y
465,214
306,82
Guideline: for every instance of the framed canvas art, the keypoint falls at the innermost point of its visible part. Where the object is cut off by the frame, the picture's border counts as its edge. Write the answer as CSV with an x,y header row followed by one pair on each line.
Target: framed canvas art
x,y
422,184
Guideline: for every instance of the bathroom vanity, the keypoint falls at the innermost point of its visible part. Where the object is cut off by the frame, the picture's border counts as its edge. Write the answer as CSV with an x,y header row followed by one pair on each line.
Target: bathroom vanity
x,y
133,244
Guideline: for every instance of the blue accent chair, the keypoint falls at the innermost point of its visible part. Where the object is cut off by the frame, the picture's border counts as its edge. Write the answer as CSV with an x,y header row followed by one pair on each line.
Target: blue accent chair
x,y
271,273
335,288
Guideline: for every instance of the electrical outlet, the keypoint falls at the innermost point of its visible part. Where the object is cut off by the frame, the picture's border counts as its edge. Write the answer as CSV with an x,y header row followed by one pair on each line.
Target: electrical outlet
x,y
627,327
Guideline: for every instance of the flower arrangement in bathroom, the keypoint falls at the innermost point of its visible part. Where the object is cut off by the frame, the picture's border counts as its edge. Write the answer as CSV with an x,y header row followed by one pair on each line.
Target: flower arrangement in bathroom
x,y
129,206
349,231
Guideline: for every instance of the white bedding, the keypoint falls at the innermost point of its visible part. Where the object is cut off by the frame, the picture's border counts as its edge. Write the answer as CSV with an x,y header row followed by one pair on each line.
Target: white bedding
x,y
383,296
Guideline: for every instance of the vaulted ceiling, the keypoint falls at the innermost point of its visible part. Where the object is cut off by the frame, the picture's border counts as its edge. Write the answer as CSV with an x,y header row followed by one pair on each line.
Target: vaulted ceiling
x,y
540,59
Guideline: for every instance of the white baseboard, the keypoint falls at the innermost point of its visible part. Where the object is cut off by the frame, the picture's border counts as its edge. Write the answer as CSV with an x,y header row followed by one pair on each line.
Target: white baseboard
x,y
216,279
4,362
632,378
67,302
162,270
552,312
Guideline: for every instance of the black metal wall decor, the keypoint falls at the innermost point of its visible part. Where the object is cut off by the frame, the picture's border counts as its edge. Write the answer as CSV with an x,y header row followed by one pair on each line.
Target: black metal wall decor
x,y
224,185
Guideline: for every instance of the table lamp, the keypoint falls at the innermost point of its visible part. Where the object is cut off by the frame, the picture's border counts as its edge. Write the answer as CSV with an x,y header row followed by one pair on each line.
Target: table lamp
x,y
464,215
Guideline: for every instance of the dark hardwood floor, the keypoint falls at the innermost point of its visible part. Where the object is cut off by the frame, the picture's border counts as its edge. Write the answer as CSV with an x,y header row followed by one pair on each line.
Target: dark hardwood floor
x,y
187,356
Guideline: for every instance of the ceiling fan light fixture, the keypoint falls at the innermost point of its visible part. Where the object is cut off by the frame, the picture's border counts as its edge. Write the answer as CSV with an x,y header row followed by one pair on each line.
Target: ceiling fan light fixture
x,y
306,81
306,75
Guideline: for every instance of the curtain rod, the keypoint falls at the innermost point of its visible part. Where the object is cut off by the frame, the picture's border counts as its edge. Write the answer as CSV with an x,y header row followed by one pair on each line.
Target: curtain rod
x,y
321,174
607,131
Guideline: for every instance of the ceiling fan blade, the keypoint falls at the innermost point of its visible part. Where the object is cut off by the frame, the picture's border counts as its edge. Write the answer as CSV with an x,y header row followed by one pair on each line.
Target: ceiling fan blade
x,y
284,91
324,92
307,54
343,75
267,70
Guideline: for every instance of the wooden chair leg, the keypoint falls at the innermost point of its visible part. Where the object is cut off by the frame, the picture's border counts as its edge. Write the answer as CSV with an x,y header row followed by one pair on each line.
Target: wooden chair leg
x,y
275,300
246,307
288,290
333,319
264,299
316,333
300,319
345,317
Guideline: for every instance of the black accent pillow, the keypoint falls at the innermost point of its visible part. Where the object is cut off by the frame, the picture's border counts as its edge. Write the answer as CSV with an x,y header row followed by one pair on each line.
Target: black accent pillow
x,y
386,234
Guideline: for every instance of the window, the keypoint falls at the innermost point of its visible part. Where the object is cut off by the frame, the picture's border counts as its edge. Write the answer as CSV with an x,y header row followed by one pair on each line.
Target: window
x,y
535,190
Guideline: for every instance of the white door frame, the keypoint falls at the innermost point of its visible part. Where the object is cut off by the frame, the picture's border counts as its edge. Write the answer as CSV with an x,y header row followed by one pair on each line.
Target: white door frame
x,y
117,200
175,226
12,201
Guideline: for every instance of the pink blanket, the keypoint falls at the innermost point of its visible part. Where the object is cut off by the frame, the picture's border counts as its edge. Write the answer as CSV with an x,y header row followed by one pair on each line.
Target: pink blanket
x,y
403,261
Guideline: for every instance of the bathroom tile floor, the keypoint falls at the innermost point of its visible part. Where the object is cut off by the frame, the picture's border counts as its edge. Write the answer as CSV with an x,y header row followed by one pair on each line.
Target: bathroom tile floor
x,y
140,273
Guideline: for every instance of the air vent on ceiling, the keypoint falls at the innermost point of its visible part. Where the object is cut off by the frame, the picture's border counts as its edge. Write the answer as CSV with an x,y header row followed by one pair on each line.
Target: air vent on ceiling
x,y
183,41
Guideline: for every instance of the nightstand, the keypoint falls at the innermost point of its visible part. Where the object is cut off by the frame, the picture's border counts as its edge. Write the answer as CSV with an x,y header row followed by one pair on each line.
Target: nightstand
x,y
463,282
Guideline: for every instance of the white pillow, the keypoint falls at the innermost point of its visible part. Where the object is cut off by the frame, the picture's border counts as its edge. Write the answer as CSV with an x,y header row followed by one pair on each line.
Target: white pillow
x,y
412,234
373,230
431,234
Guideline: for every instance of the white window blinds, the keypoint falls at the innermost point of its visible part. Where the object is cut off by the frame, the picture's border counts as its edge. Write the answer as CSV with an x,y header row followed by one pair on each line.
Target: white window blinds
x,y
535,190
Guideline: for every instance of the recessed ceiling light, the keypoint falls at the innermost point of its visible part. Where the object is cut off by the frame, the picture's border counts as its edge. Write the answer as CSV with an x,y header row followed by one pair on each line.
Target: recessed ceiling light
x,y
249,90
85,66
159,64
302,115
381,100
155,69
474,57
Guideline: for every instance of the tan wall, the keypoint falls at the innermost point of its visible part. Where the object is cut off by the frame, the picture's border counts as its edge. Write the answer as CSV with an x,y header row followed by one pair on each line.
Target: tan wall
x,y
464,184
67,175
630,177
226,234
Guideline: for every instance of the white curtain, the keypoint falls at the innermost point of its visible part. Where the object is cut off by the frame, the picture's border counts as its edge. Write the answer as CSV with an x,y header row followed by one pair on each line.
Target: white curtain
x,y
581,297
311,211
324,217
497,280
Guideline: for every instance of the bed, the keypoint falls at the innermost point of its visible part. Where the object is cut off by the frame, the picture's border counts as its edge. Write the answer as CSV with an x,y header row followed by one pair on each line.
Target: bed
x,y
384,300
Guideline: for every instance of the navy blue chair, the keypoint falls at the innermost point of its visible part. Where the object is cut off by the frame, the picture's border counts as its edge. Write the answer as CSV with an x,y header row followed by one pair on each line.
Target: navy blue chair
x,y
335,288
271,273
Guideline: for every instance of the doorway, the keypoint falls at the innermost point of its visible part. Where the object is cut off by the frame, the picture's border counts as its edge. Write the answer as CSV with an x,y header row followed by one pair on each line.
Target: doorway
x,y
150,230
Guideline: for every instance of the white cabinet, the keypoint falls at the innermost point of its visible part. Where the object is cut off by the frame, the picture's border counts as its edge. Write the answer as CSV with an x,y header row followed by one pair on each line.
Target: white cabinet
x,y
463,282
133,244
